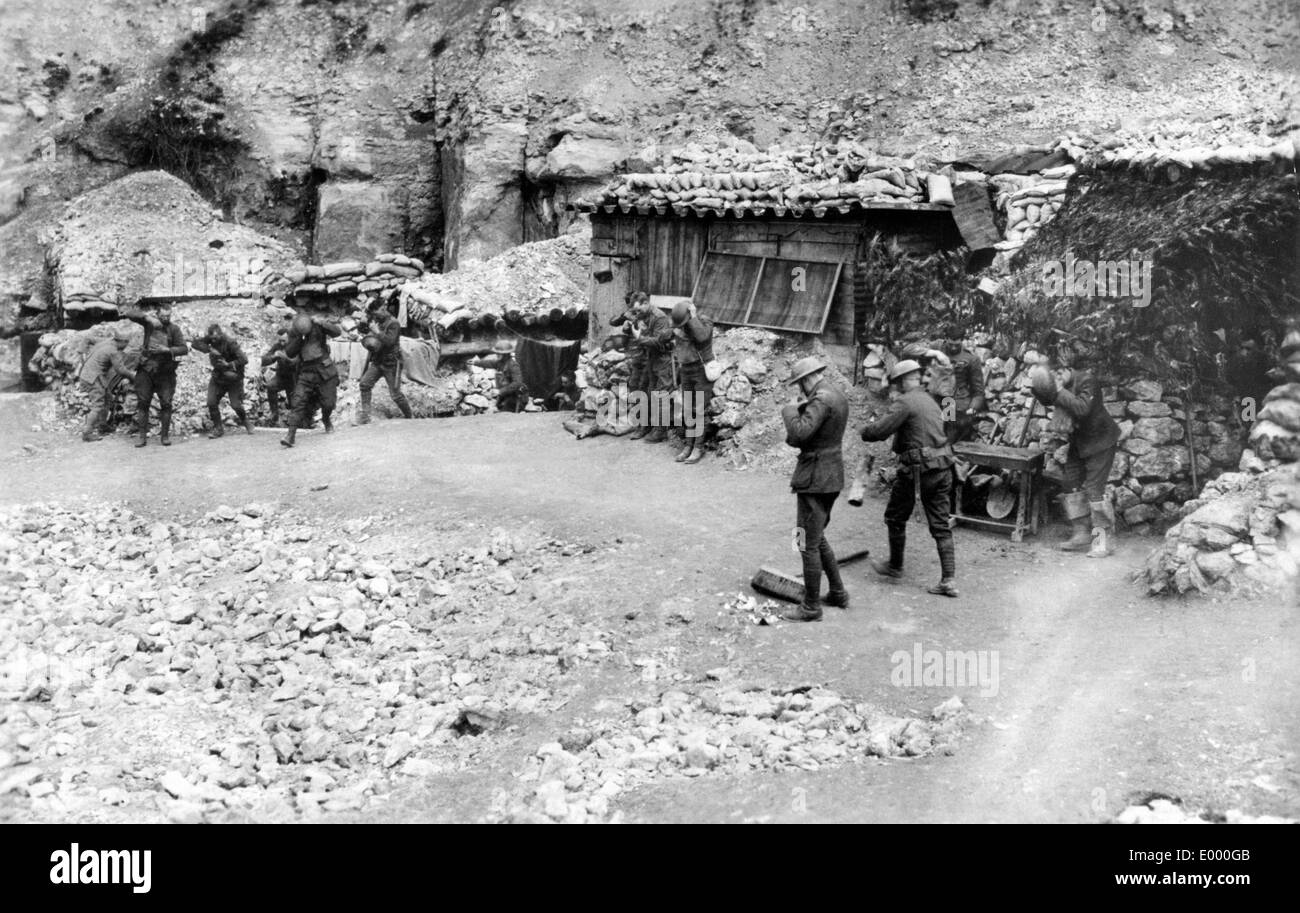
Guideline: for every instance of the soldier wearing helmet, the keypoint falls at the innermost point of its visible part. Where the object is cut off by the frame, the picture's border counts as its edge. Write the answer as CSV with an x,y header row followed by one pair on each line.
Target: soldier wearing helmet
x,y
384,343
156,376
815,424
318,378
1078,404
227,377
692,350
925,466
280,372
99,371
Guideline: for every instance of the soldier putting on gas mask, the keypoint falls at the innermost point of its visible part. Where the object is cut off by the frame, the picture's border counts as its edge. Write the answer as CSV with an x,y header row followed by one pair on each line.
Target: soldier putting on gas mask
x,y
318,378
227,378
1076,397
156,376
815,424
384,343
925,467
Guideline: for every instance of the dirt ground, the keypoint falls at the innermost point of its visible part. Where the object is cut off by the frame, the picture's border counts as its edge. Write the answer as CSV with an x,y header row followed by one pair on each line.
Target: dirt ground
x,y
1104,696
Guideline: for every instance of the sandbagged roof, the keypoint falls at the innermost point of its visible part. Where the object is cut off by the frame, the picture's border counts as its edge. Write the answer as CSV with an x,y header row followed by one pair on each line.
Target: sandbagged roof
x,y
817,178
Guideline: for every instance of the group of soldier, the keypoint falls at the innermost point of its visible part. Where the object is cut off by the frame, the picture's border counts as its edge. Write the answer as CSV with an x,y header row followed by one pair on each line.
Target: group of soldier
x,y
937,396
667,352
298,364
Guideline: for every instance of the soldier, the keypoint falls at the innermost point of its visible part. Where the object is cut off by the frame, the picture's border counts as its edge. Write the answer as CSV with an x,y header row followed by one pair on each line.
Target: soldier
x,y
384,342
1077,399
925,465
283,376
967,385
97,374
650,362
163,344
967,395
318,379
227,378
692,350
815,425
512,395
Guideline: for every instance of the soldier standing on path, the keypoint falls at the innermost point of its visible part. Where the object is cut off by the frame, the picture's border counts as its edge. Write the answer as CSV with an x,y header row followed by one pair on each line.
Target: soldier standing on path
x,y
925,466
227,379
650,362
692,349
282,377
1078,404
384,342
163,344
967,397
815,425
104,361
318,378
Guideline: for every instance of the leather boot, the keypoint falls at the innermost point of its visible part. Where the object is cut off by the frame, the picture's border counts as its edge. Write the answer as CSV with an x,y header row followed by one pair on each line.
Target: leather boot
x,y
165,435
697,452
657,436
639,433
217,431
885,569
89,436
248,424
687,446
1103,526
945,587
1080,537
329,425
289,435
803,612
405,405
363,411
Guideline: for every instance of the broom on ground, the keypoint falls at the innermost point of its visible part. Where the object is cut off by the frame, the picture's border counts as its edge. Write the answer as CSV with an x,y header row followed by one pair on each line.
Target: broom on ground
x,y
789,587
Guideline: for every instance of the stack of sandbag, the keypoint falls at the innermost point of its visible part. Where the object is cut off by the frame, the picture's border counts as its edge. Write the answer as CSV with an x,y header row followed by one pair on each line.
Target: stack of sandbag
x,y
351,277
816,176
1030,201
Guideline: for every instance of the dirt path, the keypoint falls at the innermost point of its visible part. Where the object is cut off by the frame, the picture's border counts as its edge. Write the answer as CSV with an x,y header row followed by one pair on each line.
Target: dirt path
x,y
1102,694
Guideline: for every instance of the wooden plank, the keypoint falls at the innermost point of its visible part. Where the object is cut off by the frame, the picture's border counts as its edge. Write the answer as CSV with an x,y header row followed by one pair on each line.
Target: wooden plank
x,y
974,216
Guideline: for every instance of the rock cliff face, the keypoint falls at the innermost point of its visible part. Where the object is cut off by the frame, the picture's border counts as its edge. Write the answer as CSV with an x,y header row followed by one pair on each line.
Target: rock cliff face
x,y
456,129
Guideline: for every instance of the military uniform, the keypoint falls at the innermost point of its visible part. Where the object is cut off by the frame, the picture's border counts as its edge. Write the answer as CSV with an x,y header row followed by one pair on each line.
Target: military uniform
x,y
816,427
693,349
650,366
318,378
1091,454
925,464
98,372
385,362
227,379
156,375
282,379
512,395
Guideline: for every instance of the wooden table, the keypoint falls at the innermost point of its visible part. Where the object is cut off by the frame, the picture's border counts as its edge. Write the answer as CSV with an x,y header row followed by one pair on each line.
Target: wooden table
x,y
1028,465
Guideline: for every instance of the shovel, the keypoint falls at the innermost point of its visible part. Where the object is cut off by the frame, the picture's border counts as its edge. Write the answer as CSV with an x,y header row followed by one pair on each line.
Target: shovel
x,y
789,587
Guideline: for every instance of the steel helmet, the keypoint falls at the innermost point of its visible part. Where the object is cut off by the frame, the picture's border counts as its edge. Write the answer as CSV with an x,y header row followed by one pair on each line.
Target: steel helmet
x,y
681,312
809,364
302,324
915,350
903,368
1043,383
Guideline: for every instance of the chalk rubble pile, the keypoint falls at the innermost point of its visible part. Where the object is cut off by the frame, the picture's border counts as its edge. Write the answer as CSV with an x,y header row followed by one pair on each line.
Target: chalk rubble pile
x,y
299,672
